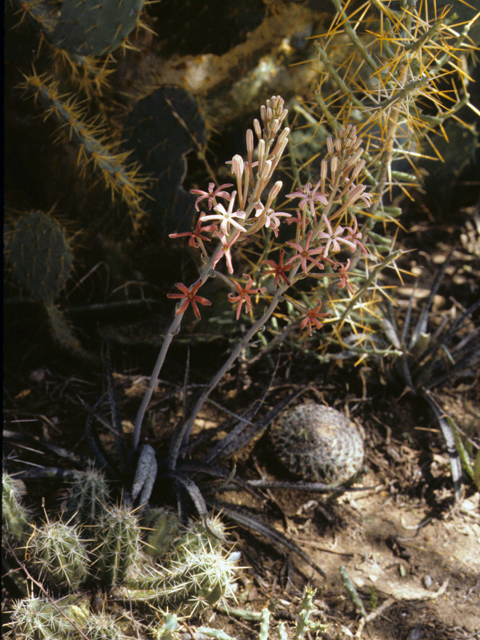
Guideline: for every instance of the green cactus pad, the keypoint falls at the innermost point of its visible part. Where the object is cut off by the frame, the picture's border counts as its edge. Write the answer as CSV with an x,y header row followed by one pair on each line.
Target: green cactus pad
x,y
162,128
40,256
94,28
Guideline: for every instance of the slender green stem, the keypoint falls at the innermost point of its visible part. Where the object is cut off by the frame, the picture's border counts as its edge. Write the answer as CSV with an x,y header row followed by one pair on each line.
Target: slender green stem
x,y
183,432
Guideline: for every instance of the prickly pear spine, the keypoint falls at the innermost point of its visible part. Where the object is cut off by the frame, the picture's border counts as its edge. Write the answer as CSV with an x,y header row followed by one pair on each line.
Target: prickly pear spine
x,y
93,144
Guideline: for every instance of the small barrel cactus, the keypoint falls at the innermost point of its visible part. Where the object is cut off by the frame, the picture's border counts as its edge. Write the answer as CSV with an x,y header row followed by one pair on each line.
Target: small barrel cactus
x,y
318,444
59,555
14,515
117,545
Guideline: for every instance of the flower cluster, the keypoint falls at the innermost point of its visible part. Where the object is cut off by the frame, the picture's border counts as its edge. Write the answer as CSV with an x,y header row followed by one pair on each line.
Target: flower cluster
x,y
228,218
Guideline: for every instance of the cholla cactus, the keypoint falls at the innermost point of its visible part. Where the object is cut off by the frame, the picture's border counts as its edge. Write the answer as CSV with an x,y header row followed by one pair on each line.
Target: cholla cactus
x,y
59,555
14,515
248,213
385,70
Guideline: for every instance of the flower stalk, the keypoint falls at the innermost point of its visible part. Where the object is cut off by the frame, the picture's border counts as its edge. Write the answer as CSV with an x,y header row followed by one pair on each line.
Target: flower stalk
x,y
249,211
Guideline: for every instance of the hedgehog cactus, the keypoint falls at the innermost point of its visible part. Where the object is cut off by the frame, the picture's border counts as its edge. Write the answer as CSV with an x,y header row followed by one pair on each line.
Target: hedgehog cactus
x,y
40,256
14,515
102,627
59,555
87,499
200,565
118,544
195,574
162,526
38,619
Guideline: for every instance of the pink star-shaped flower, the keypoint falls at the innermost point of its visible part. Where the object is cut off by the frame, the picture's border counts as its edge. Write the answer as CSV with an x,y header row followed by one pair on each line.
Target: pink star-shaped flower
x,y
309,197
341,270
211,194
190,297
355,237
224,250
333,237
196,237
244,295
272,218
305,253
313,318
278,269
227,217
298,220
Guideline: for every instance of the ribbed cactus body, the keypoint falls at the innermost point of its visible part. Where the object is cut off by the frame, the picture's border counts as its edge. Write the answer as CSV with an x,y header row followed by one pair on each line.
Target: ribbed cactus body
x,y
118,545
40,256
195,574
37,619
94,28
200,564
87,500
59,555
102,627
14,515
162,527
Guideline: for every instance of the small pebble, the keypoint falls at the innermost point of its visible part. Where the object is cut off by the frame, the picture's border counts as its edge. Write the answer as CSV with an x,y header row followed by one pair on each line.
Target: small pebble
x,y
427,581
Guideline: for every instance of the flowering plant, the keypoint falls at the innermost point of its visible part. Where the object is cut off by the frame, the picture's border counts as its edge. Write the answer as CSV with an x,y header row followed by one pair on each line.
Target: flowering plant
x,y
229,218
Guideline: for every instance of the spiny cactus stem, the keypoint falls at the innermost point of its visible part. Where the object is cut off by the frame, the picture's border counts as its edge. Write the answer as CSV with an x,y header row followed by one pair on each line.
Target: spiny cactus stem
x,y
334,73
353,35
44,591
